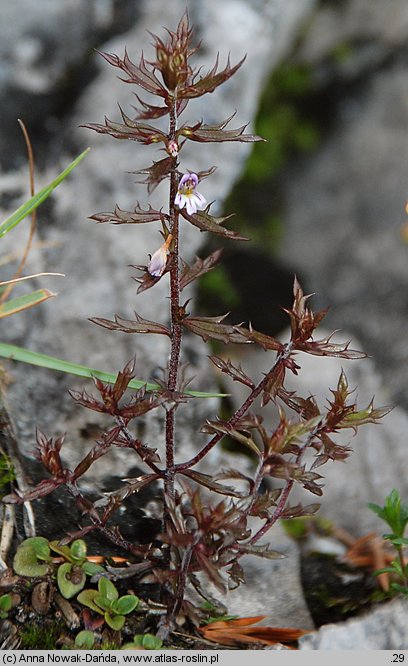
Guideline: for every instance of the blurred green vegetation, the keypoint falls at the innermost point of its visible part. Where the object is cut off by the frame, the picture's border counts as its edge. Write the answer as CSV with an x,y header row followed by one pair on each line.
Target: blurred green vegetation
x,y
284,121
287,119
218,282
342,53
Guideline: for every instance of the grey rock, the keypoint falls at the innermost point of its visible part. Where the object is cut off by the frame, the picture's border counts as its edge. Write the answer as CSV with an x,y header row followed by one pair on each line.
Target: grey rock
x,y
348,201
273,587
45,49
385,628
95,257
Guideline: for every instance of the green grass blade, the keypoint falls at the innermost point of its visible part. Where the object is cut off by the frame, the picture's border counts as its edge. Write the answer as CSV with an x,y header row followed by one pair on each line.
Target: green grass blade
x,y
20,303
52,363
28,206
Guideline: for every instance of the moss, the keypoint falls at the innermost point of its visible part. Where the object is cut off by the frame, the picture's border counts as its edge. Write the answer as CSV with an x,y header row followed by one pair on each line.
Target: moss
x,y
40,635
334,591
7,473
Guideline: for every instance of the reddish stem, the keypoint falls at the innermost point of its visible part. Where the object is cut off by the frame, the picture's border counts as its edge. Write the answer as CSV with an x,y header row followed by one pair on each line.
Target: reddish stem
x,y
176,329
285,492
282,356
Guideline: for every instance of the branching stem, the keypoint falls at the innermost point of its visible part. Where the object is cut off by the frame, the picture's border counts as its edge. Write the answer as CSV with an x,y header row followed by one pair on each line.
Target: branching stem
x,y
255,393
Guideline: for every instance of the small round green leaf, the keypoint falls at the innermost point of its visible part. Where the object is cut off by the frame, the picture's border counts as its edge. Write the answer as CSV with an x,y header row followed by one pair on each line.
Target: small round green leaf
x,y
91,568
5,602
125,604
78,549
70,579
151,642
61,550
85,640
28,553
103,602
86,598
115,622
107,589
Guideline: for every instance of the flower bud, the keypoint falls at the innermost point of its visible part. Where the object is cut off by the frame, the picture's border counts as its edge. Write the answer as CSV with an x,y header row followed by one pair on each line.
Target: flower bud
x,y
158,261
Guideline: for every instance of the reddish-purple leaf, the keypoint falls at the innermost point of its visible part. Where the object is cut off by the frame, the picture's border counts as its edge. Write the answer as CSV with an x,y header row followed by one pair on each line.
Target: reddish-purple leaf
x,y
200,267
211,328
265,341
88,401
206,222
132,486
138,216
299,510
208,482
214,134
139,325
138,74
48,453
139,407
131,130
262,551
273,383
150,111
263,503
221,427
79,534
236,372
235,474
100,449
326,348
306,407
42,489
156,173
210,81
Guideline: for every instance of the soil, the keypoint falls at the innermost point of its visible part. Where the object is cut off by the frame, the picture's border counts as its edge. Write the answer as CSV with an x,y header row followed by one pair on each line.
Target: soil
x,y
335,591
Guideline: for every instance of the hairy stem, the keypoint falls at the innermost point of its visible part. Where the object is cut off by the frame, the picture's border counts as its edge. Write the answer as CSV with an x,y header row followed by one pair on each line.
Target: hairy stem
x,y
176,329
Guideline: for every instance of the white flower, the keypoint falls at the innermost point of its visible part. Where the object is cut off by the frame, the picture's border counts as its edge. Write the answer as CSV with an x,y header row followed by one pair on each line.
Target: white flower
x,y
187,196
158,262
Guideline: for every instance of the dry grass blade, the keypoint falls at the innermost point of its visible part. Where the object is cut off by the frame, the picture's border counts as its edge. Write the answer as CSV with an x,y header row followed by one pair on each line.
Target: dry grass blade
x,y
7,529
373,553
33,223
242,632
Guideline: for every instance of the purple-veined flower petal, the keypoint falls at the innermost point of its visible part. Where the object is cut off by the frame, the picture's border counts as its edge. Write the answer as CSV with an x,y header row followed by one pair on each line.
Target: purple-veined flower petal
x,y
200,200
187,195
180,200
